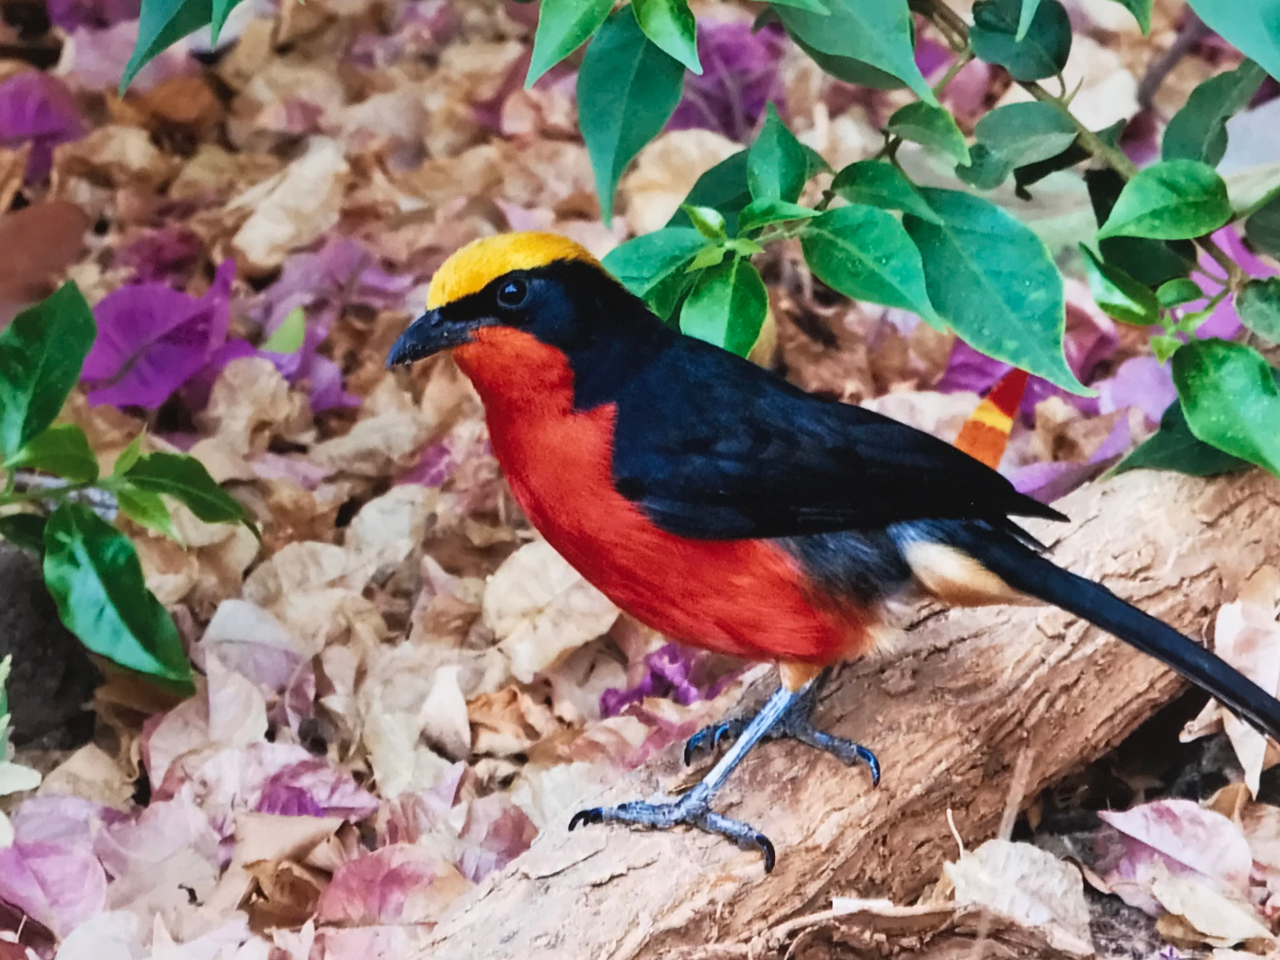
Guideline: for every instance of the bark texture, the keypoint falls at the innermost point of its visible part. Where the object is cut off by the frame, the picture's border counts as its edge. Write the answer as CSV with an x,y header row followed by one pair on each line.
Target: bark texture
x,y
949,713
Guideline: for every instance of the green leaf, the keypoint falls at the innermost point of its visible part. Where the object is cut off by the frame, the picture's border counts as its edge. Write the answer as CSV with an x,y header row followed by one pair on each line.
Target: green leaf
x,y
777,165
1025,16
1258,305
1117,294
1164,346
653,266
1263,227
1043,53
866,254
41,353
289,335
1032,173
813,6
986,169
1199,130
1141,10
931,126
849,70
742,246
162,24
993,280
708,221
1024,133
670,25
627,91
186,480
563,26
1176,292
878,184
815,163
1174,447
708,256
760,212
62,450
147,510
1170,200
1150,262
1251,26
129,455
1230,399
727,306
218,17
875,32
93,573
722,188
24,530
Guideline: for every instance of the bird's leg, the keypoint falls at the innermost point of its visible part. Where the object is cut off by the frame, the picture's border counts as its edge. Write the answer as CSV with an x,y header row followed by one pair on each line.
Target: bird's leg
x,y
693,808
795,723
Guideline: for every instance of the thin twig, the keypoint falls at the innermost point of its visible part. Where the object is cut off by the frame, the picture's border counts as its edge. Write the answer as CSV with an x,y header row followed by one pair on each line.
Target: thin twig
x,y
1192,31
30,487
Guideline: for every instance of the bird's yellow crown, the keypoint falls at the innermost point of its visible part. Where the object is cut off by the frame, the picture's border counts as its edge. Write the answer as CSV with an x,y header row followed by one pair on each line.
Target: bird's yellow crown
x,y
482,261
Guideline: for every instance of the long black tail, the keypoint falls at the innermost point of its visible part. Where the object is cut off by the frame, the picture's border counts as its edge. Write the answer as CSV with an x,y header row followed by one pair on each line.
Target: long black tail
x,y
1028,572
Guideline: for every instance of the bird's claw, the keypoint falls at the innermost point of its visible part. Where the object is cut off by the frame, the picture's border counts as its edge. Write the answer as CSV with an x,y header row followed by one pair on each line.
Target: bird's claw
x,y
716,732
689,811
795,725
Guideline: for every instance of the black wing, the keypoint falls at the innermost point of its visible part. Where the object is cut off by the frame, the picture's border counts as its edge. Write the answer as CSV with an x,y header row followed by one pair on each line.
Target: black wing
x,y
713,447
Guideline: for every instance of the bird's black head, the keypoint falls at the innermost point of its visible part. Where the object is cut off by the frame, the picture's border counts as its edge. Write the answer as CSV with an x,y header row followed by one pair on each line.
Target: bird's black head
x,y
541,284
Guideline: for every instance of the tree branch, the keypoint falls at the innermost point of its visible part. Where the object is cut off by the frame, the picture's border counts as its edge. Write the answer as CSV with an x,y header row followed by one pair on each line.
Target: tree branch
x,y
968,695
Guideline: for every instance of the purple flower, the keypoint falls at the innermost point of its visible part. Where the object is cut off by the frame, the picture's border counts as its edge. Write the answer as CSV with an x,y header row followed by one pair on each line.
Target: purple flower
x,y
70,14
1142,382
38,109
673,671
169,255
932,56
341,272
306,363
1047,482
152,339
739,78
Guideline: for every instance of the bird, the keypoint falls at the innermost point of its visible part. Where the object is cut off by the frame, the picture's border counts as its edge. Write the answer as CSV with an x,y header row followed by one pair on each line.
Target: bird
x,y
727,509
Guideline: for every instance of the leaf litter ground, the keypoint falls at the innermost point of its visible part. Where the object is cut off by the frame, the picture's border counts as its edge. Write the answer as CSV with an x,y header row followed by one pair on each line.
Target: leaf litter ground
x,y
401,686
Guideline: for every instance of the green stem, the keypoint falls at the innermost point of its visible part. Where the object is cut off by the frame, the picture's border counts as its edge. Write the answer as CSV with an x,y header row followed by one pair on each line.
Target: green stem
x,y
1114,156
961,62
948,21
1235,275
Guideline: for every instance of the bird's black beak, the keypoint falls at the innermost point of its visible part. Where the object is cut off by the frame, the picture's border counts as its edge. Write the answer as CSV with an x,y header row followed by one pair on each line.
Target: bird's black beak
x,y
428,335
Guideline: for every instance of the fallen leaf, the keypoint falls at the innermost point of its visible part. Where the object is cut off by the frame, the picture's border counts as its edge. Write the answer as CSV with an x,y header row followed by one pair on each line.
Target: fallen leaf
x,y
1247,636
1029,885
1175,837
58,886
540,608
399,884
293,208
1210,916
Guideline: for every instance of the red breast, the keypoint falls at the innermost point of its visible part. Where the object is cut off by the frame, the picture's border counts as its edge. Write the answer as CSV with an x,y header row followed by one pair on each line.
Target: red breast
x,y
747,598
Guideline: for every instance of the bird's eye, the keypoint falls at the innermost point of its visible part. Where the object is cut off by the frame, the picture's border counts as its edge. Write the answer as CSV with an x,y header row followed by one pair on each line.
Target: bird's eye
x,y
513,294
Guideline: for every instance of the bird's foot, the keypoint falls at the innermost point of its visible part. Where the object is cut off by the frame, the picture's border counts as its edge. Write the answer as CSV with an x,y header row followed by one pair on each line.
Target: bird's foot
x,y
795,724
692,810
